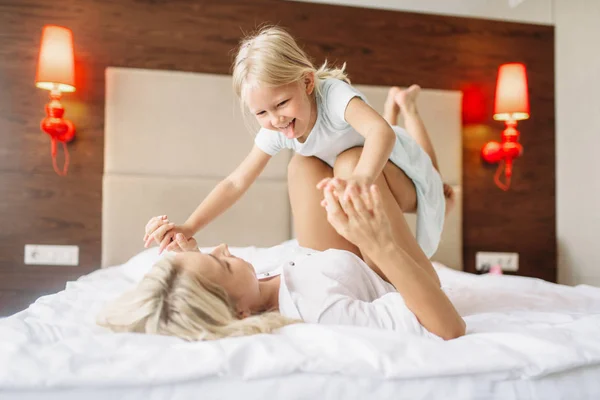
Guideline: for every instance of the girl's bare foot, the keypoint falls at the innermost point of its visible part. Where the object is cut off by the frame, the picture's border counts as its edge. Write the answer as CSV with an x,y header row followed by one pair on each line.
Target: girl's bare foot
x,y
391,108
406,99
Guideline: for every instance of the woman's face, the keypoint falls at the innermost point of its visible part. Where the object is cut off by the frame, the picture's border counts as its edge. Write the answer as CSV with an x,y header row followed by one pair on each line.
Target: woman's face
x,y
232,273
288,109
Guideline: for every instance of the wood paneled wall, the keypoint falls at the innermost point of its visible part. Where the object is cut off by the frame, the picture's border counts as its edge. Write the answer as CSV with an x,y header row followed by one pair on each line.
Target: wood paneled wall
x,y
380,47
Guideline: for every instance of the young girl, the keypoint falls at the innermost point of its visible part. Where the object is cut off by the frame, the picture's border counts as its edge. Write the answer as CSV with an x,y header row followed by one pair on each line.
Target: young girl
x,y
318,113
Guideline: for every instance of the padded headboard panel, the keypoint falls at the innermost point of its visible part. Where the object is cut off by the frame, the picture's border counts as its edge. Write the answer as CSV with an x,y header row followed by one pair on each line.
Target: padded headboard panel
x,y
170,137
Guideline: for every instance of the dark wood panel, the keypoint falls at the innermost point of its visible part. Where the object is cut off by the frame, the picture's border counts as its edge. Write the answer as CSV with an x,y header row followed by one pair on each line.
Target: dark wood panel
x,y
40,209
381,47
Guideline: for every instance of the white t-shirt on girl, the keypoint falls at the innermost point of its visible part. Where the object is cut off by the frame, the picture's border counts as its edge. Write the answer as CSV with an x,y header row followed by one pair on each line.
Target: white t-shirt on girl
x,y
332,135
337,287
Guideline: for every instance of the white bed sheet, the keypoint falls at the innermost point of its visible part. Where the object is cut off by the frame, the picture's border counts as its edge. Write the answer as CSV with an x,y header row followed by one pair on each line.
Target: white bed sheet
x,y
580,384
526,339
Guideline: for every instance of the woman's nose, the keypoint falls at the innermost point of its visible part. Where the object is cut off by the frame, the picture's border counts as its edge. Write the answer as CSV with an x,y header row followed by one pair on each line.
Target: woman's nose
x,y
224,249
218,250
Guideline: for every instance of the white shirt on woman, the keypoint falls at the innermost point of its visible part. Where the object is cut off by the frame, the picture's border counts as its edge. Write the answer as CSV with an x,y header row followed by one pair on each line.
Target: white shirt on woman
x,y
332,135
337,287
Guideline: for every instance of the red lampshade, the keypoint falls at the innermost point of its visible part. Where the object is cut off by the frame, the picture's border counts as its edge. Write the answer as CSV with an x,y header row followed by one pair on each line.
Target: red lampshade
x,y
512,99
55,66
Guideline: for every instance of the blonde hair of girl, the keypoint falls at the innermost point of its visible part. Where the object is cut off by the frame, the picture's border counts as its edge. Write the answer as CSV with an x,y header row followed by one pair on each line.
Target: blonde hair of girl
x,y
272,57
171,301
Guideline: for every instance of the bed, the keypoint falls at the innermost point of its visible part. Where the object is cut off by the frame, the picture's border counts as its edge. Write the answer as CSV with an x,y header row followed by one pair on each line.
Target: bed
x,y
526,338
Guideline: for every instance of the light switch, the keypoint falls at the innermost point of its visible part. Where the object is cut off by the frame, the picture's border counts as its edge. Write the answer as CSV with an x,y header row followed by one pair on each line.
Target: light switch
x,y
39,254
507,261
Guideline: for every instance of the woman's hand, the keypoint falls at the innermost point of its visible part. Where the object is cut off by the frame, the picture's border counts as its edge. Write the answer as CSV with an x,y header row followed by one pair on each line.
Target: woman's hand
x,y
181,244
343,187
358,216
160,230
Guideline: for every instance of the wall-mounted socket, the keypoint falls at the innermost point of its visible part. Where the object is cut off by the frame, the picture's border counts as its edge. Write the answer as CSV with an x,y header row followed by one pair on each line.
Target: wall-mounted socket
x,y
507,261
39,254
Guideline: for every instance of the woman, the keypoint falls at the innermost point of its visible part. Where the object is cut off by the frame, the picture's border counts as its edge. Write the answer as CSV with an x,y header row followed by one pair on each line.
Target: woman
x,y
199,296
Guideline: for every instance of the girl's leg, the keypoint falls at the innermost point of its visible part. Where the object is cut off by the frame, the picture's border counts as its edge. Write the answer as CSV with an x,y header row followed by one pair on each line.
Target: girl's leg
x,y
310,219
399,196
407,103
404,101
391,109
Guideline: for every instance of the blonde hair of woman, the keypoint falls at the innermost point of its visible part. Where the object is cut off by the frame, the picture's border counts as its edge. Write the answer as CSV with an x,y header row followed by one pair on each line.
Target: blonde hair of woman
x,y
175,299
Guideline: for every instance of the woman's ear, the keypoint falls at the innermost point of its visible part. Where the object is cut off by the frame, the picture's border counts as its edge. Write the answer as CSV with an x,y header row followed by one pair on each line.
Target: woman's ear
x,y
309,82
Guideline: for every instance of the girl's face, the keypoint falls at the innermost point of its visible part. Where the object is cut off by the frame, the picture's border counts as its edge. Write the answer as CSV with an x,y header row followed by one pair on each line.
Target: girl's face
x,y
289,109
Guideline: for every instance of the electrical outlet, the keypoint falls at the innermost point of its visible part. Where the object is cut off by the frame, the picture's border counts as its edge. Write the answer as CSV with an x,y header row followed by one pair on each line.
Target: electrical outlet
x,y
39,254
507,261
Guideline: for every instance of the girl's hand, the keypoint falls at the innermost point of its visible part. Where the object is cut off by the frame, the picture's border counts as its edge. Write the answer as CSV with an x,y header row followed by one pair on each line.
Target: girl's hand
x,y
343,187
366,227
362,184
153,224
162,231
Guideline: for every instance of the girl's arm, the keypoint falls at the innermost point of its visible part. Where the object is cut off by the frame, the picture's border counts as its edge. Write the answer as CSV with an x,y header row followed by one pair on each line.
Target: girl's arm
x,y
379,139
223,196
227,192
371,231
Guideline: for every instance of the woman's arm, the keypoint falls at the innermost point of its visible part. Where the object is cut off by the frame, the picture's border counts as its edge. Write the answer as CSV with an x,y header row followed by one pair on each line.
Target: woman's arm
x,y
422,296
371,231
379,139
228,191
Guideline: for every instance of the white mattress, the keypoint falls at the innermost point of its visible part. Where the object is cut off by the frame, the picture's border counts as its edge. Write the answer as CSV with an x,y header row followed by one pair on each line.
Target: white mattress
x,y
526,339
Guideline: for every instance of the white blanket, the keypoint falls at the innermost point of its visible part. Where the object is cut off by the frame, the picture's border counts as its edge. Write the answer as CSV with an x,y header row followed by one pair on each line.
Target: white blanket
x,y
518,328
